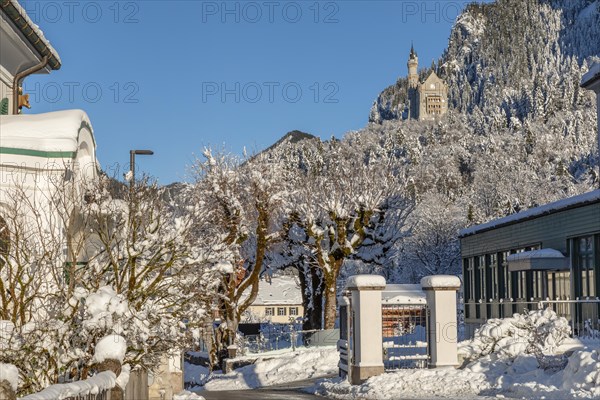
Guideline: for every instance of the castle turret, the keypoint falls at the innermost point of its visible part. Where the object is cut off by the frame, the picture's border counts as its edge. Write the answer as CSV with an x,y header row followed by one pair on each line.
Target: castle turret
x,y
413,66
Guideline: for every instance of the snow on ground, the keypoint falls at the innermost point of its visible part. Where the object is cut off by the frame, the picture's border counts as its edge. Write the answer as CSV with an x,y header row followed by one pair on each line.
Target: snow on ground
x,y
185,395
517,357
408,383
280,368
194,375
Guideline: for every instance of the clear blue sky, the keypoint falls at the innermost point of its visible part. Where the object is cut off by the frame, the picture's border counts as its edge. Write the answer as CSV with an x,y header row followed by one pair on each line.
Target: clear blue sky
x,y
161,67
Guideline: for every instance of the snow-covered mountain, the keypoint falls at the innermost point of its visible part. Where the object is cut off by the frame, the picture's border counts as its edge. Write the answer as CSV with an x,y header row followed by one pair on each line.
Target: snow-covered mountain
x,y
513,60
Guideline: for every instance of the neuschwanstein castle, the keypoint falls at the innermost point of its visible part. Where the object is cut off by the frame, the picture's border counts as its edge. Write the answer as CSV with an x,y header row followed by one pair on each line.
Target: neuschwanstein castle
x,y
429,99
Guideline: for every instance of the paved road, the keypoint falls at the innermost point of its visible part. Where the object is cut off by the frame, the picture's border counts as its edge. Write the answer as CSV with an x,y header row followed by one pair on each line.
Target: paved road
x,y
291,391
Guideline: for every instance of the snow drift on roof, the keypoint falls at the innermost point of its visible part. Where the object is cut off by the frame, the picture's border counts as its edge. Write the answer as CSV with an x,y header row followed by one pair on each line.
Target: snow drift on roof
x,y
541,253
281,290
582,199
403,294
54,131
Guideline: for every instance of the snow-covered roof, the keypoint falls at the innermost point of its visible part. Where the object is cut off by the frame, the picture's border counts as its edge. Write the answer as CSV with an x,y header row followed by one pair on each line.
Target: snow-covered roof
x,y
536,260
31,31
550,208
49,135
403,294
284,290
593,75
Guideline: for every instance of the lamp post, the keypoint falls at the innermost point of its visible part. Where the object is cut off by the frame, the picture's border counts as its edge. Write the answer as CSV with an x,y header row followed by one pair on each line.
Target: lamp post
x,y
132,154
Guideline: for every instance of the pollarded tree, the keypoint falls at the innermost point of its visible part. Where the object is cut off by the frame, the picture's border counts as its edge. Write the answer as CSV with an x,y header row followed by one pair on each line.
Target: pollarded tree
x,y
341,198
243,200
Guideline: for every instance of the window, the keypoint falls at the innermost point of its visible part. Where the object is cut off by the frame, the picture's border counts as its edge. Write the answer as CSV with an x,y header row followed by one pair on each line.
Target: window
x,y
469,279
493,279
281,311
269,311
480,264
293,310
584,264
434,105
507,276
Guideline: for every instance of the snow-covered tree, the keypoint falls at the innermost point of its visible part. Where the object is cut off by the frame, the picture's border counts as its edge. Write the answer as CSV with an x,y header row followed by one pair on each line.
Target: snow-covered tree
x,y
243,200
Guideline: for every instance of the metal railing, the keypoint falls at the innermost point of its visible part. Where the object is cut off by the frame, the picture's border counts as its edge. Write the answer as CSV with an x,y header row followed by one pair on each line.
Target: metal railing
x,y
404,336
288,338
583,314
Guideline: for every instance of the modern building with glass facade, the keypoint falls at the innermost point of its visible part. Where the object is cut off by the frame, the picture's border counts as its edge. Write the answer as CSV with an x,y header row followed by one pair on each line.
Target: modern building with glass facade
x,y
551,252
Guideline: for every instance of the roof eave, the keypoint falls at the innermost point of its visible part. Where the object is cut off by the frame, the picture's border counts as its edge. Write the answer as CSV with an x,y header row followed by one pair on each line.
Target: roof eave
x,y
24,24
595,80
529,218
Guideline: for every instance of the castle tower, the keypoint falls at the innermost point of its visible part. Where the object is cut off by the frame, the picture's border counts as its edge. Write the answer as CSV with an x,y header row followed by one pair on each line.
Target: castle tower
x,y
413,66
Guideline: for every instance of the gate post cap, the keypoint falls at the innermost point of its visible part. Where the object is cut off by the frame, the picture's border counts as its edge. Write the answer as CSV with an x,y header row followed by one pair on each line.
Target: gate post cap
x,y
366,282
440,282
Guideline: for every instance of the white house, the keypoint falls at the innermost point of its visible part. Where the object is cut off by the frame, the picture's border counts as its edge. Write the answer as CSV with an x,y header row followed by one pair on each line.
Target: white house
x,y
23,51
279,300
39,154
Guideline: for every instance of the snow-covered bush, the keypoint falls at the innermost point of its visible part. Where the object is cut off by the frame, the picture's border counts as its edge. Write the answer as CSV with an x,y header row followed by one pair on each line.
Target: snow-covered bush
x,y
148,277
533,332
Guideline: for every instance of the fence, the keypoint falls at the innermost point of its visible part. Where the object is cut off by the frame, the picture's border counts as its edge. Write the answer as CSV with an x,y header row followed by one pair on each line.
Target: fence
x,y
404,330
286,337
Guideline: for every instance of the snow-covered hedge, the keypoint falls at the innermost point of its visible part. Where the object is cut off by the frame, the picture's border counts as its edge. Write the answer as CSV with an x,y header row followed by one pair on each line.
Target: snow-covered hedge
x,y
535,331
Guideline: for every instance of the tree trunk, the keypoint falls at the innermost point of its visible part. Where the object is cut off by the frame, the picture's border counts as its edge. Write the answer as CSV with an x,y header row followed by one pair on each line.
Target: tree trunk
x,y
311,284
330,305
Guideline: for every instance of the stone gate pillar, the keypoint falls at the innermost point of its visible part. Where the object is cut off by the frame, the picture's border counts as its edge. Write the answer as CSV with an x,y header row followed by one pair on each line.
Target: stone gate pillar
x,y
367,337
440,291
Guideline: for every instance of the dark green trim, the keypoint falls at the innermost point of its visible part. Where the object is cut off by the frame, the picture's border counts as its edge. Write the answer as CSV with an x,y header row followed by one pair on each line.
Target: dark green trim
x,y
85,125
38,153
30,34
80,263
4,106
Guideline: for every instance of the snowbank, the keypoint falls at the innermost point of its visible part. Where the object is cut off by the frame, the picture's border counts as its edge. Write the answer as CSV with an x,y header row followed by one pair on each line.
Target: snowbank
x,y
194,375
540,330
502,366
185,395
111,347
409,383
10,373
287,367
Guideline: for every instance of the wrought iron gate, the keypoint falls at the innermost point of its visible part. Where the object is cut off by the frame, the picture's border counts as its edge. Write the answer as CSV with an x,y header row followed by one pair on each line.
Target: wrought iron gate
x,y
405,335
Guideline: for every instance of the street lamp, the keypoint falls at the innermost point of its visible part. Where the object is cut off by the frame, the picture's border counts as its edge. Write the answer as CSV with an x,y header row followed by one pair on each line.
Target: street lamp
x,y
132,154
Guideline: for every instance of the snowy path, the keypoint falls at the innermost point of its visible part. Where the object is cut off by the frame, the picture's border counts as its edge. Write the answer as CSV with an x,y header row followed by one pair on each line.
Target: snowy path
x,y
294,391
